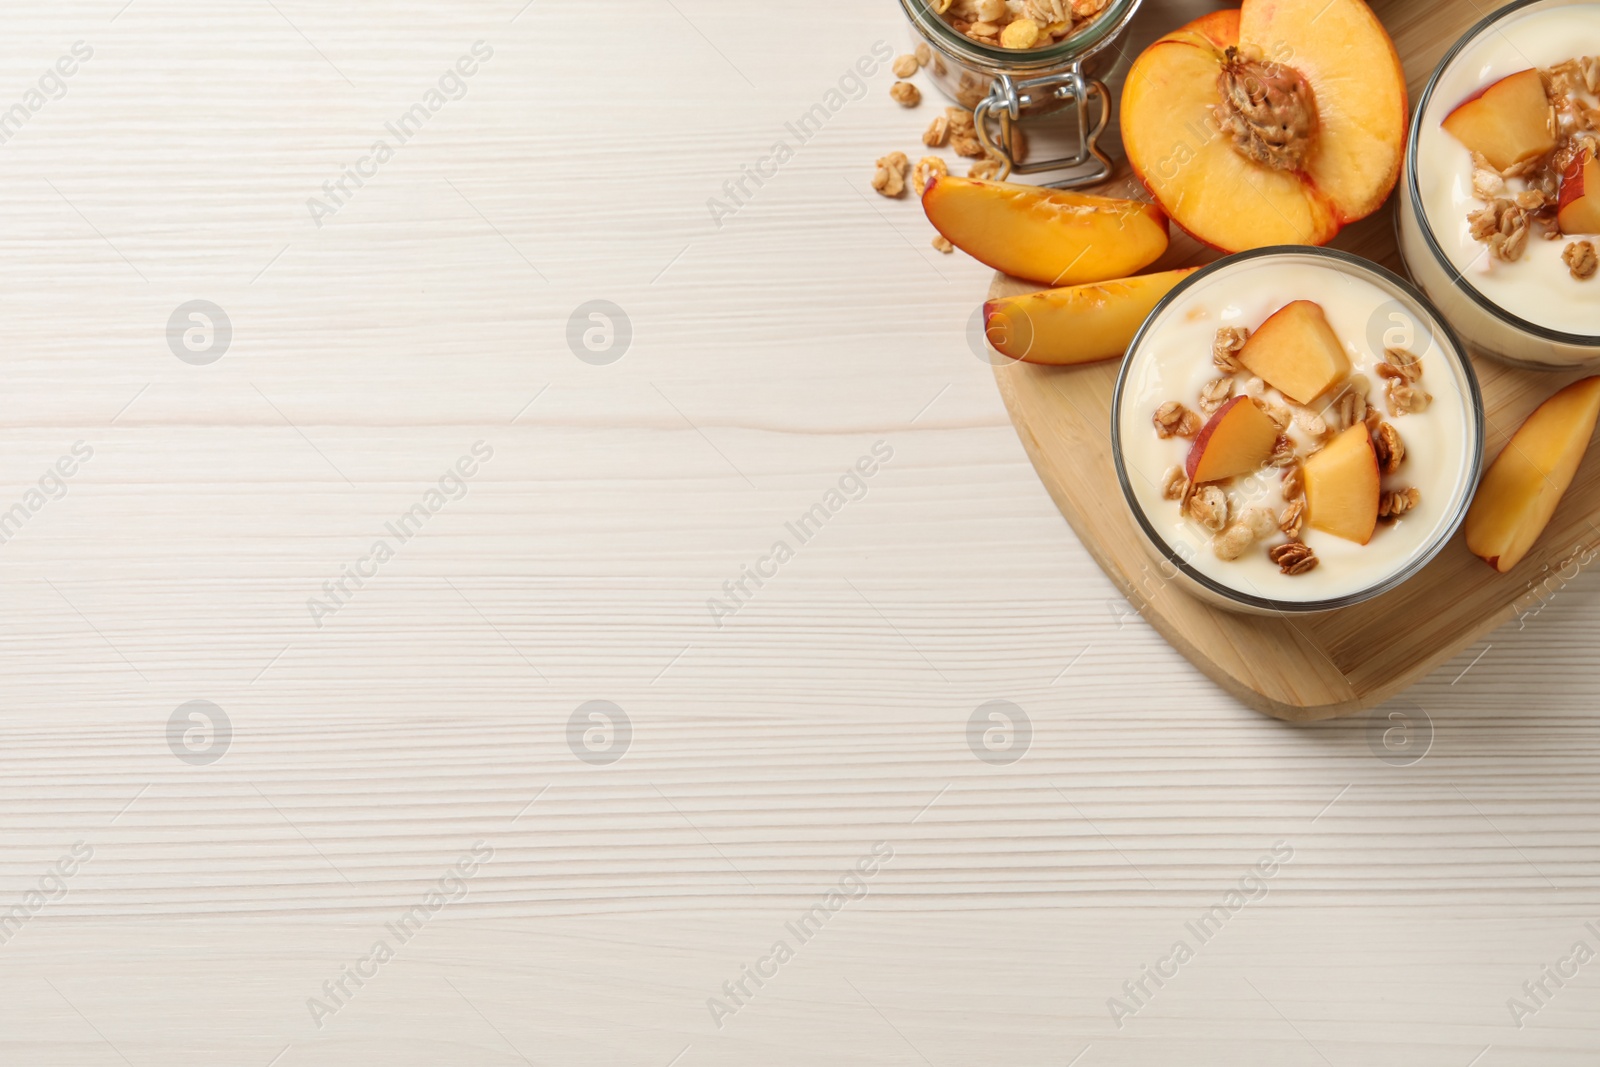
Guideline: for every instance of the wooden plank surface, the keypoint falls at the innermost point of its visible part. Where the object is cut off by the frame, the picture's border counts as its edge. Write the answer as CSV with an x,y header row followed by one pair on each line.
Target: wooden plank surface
x,y
766,756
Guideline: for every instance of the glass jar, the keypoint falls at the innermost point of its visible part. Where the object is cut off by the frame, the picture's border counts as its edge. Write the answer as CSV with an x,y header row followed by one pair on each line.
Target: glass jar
x,y
1004,86
1529,313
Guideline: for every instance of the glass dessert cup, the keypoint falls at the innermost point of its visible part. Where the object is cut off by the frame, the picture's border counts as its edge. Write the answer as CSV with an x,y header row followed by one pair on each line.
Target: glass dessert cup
x,y
1525,313
1371,311
1007,85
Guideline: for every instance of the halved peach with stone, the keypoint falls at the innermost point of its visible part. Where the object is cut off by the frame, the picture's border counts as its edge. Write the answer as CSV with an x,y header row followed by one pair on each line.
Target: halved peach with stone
x,y
1508,122
1238,439
1296,352
1049,236
1521,490
1342,486
1078,324
1278,123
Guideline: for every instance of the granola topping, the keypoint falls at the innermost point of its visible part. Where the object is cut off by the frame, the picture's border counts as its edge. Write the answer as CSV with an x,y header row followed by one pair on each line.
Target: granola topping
x,y
1172,419
1020,24
1293,558
1580,259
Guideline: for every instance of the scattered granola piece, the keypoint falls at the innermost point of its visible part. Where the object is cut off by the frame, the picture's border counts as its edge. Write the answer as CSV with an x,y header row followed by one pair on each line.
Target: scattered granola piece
x,y
1021,33
1225,349
966,144
888,181
986,169
1280,415
1214,394
905,66
1293,482
1233,541
1172,419
1261,521
1313,424
1293,558
960,119
1394,504
1400,363
1174,484
942,243
1283,454
1349,405
1390,449
1293,518
1208,506
924,54
905,94
928,168
1404,398
1504,227
1487,183
1580,259
937,133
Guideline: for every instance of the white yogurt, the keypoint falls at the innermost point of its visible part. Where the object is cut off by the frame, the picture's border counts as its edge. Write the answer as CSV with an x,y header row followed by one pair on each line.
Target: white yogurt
x,y
1173,362
1538,287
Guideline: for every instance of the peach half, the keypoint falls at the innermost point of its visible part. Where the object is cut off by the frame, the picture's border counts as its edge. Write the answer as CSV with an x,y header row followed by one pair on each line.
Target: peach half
x,y
1049,236
1078,324
1277,123
1521,490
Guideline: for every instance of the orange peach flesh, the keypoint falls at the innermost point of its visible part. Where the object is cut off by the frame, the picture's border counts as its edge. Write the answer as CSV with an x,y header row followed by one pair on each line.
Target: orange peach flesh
x,y
1520,493
1049,236
1296,352
1238,439
1342,486
1508,122
1232,202
1580,197
1081,324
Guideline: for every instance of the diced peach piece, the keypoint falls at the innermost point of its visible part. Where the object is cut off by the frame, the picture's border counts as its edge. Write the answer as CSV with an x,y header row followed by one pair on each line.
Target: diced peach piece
x,y
1238,439
1049,236
1352,94
1519,494
1080,324
1342,485
1508,122
1296,352
1580,196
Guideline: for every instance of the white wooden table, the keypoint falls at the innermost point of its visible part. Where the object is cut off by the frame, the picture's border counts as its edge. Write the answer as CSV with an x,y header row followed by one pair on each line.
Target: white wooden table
x,y
193,894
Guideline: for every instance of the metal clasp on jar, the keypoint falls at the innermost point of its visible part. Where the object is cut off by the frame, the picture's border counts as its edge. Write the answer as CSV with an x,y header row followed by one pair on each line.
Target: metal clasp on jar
x,y
1010,98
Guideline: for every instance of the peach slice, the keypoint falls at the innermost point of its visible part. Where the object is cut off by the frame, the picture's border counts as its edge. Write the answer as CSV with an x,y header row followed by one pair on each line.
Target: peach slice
x,y
1080,324
1342,485
1238,439
1520,492
1508,122
1278,123
1579,203
1296,352
1049,236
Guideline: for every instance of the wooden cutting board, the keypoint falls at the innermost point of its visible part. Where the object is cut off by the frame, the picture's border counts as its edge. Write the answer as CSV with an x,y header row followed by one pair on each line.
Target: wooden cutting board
x,y
1340,663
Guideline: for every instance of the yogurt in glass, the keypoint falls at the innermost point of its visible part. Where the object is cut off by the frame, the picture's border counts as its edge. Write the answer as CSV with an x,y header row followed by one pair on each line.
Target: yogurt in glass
x,y
1532,311
1371,312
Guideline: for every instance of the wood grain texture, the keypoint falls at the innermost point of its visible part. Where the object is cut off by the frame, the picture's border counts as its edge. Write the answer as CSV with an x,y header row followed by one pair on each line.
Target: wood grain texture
x,y
1338,663
831,712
